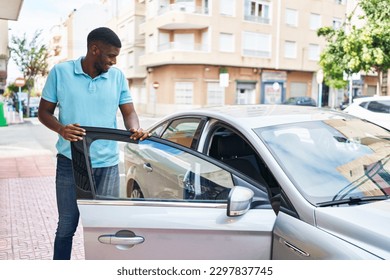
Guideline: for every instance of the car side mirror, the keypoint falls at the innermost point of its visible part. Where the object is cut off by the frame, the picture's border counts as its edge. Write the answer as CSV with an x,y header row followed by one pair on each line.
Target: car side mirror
x,y
239,201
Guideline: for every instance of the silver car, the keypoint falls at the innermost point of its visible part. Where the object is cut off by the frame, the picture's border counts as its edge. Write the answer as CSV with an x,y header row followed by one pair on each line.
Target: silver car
x,y
242,182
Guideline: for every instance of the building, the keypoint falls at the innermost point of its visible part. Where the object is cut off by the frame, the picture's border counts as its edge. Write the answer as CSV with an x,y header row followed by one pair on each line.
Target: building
x,y
181,54
207,53
9,10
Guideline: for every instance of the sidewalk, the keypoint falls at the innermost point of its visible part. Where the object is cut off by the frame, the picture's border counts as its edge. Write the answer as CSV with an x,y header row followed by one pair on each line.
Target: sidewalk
x,y
28,212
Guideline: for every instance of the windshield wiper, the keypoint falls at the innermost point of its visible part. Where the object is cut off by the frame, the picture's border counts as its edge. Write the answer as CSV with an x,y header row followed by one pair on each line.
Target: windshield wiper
x,y
353,200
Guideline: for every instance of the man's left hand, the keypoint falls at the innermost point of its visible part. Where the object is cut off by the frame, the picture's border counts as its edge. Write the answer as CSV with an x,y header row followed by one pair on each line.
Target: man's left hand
x,y
139,134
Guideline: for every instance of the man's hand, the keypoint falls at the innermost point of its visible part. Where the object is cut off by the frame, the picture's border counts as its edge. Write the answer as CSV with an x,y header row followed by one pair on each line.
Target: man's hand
x,y
139,134
72,132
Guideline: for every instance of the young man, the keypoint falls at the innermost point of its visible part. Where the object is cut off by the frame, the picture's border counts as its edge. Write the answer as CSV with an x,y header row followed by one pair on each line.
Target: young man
x,y
88,92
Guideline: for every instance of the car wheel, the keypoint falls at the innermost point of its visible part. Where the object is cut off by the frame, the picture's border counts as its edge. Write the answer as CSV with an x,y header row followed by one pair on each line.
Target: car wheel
x,y
136,192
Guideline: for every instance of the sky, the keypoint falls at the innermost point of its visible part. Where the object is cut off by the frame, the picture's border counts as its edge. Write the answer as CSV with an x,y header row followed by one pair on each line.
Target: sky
x,y
38,15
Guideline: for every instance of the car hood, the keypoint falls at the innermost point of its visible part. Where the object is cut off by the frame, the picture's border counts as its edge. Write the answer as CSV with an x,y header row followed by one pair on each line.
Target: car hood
x,y
367,226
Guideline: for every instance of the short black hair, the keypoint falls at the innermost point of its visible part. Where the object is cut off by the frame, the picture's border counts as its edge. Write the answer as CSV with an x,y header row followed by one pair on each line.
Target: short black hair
x,y
104,35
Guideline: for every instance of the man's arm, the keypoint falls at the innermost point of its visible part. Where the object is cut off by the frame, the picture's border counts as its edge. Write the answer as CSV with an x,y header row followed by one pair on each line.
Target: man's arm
x,y
71,132
131,122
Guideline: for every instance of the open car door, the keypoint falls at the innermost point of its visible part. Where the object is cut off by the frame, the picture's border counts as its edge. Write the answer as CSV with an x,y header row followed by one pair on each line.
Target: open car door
x,y
210,213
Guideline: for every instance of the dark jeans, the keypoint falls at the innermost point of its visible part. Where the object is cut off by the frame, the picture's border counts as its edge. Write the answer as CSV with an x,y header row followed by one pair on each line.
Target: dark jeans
x,y
107,180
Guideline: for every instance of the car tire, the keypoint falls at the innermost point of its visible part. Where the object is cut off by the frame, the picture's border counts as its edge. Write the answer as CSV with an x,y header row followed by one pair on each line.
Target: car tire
x,y
136,192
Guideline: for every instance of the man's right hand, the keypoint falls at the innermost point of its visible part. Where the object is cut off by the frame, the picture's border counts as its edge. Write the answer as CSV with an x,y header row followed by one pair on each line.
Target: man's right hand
x,y
72,132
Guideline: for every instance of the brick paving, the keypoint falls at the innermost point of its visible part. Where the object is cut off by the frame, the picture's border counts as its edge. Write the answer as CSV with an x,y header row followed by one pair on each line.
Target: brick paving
x,y
28,213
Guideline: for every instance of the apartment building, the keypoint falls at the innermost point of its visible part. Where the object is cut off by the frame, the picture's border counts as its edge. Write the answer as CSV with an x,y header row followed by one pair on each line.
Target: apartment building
x,y
125,19
205,53
9,10
181,54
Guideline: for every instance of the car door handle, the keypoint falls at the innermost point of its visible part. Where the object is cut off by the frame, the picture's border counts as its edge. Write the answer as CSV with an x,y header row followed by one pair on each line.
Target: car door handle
x,y
120,240
148,167
296,249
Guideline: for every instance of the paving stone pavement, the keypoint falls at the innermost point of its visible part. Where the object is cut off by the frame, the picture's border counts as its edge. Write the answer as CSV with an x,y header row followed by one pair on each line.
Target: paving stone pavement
x,y
28,212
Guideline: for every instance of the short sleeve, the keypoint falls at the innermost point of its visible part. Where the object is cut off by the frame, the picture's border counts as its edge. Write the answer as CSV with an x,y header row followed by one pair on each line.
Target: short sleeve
x,y
49,92
125,96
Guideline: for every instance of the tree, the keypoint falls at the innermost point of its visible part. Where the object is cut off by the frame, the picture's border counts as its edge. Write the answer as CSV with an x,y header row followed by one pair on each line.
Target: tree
x,y
351,49
31,59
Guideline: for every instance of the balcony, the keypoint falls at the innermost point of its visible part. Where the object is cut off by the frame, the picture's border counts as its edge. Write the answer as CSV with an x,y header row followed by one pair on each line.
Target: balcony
x,y
183,7
180,46
257,19
182,16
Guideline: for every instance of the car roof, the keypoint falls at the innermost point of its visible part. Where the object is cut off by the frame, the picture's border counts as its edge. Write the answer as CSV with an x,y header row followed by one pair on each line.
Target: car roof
x,y
370,98
262,115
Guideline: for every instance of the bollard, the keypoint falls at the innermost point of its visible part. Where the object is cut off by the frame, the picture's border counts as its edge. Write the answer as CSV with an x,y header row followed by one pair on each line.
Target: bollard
x,y
3,120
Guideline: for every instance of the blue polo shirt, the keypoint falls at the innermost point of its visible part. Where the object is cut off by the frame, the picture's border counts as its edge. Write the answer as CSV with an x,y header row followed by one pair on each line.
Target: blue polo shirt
x,y
89,102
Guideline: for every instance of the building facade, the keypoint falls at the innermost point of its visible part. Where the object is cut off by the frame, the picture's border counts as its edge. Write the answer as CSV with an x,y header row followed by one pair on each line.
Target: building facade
x,y
206,53
181,54
4,54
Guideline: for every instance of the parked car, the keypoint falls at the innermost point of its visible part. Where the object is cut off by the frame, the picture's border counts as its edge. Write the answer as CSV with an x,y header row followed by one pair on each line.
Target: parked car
x,y
301,100
34,105
242,182
375,109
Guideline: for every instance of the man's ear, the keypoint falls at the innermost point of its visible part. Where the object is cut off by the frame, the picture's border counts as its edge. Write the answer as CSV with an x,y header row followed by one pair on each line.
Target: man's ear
x,y
94,49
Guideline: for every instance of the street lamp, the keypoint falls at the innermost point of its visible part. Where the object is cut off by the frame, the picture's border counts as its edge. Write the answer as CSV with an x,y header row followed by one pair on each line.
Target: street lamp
x,y
155,85
20,82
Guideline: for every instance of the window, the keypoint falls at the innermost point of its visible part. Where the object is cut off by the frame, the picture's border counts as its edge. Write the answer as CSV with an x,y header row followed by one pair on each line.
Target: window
x,y
184,41
379,106
314,52
256,44
258,11
215,94
182,131
290,49
227,7
226,42
163,43
291,17
183,92
315,21
336,23
130,60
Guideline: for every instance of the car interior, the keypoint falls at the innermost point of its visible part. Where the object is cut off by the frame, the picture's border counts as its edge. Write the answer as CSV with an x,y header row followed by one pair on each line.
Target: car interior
x,y
232,149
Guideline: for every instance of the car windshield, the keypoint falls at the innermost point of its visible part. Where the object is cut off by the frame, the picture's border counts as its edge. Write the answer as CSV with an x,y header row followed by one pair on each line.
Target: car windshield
x,y
332,160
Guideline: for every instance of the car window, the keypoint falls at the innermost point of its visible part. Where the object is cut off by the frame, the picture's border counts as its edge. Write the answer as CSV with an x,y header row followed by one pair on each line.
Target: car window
x,y
152,170
155,171
379,106
182,131
363,104
334,159
233,149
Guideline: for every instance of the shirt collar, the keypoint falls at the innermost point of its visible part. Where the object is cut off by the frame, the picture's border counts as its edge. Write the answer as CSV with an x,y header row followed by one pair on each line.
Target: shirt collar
x,y
78,69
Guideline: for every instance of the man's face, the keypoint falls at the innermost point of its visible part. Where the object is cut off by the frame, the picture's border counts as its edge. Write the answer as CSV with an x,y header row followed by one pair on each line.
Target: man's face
x,y
105,56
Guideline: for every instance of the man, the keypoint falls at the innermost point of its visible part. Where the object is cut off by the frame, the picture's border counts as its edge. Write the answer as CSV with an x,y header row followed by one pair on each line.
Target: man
x,y
88,92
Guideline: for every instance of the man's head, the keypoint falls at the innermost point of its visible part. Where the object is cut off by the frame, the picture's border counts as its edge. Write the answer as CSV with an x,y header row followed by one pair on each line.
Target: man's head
x,y
104,35
103,46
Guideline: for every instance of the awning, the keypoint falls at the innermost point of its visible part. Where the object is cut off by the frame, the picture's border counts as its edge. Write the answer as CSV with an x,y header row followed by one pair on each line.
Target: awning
x,y
10,9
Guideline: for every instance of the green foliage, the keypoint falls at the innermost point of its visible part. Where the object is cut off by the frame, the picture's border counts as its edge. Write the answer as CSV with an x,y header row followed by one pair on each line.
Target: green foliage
x,y
12,88
351,49
30,57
